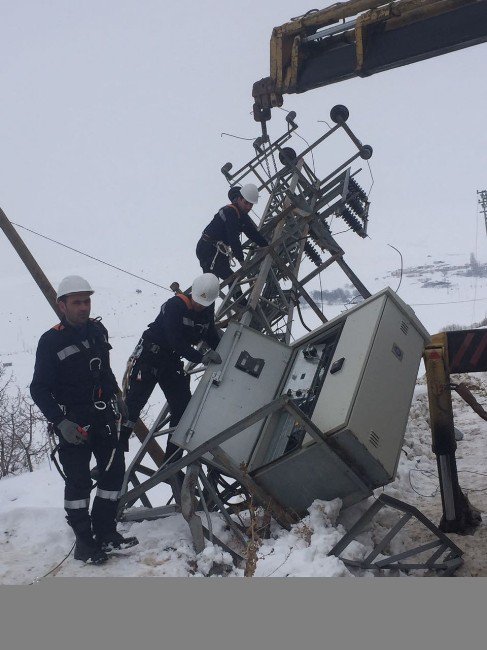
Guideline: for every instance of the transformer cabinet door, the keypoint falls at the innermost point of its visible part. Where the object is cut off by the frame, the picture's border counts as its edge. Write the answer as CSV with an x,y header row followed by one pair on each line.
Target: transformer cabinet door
x,y
364,406
253,366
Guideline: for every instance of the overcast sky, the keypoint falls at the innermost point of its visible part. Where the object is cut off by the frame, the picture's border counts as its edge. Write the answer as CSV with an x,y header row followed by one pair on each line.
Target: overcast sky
x,y
111,120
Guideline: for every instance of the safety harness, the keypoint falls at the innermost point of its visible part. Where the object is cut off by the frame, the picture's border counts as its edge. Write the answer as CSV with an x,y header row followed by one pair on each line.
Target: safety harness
x,y
94,364
220,246
99,404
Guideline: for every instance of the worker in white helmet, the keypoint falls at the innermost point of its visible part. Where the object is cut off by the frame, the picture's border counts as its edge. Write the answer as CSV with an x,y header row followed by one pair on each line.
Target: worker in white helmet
x,y
183,322
76,390
220,241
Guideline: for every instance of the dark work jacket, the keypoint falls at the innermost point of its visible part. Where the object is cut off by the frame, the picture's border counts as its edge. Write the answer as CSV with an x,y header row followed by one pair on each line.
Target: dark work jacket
x,y
177,328
62,374
228,224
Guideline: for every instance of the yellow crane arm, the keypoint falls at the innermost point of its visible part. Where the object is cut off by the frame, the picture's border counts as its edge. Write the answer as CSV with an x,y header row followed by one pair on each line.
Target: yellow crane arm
x,y
360,38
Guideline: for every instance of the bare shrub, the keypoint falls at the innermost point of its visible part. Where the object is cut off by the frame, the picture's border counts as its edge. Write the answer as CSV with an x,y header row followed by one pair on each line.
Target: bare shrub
x,y
23,434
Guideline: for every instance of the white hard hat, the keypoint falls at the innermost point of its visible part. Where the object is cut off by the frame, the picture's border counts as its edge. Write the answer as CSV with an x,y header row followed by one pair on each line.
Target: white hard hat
x,y
250,193
205,289
73,284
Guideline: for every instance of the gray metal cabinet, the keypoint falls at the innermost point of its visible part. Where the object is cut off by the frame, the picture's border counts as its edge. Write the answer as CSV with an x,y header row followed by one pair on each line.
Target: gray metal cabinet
x,y
252,368
353,378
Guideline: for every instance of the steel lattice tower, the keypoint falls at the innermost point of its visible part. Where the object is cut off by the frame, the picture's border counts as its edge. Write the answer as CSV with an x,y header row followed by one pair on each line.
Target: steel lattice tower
x,y
264,293
295,222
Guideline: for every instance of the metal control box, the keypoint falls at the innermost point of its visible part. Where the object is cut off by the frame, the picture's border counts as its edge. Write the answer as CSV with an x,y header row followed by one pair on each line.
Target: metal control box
x,y
353,378
359,399
364,404
252,369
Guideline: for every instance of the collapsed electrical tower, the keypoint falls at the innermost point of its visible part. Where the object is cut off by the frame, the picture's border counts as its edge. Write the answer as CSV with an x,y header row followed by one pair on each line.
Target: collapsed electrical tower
x,y
282,422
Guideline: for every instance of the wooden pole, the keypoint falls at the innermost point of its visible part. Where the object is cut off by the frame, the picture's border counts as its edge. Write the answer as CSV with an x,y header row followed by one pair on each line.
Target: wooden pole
x,y
141,431
28,259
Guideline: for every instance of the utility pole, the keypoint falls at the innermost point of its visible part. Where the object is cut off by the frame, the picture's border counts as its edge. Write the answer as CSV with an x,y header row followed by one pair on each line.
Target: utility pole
x,y
28,259
483,205
153,449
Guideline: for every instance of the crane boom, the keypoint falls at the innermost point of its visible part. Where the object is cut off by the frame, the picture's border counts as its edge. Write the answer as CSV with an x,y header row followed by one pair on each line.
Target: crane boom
x,y
360,38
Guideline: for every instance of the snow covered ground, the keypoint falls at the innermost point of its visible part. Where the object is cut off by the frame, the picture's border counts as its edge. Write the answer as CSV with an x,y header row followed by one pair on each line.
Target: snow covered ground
x,y
34,536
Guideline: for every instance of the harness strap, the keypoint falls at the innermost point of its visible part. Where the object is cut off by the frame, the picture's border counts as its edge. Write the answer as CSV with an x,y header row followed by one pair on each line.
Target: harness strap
x,y
94,363
230,205
186,299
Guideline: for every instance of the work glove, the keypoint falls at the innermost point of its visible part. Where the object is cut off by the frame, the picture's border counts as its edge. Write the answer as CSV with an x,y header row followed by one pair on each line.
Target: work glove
x,y
72,432
211,356
122,407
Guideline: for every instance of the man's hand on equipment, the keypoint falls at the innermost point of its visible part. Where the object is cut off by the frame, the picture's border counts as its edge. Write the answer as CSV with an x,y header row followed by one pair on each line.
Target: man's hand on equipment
x,y
211,356
72,432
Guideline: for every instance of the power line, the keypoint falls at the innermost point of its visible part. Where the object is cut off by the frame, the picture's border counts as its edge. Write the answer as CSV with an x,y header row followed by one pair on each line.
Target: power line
x,y
400,255
450,302
139,277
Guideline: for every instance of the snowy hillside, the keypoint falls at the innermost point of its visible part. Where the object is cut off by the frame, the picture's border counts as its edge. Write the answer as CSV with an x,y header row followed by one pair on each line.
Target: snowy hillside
x,y
441,293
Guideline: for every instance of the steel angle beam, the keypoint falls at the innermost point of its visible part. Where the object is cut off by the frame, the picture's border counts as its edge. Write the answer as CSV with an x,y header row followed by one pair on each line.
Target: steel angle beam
x,y
444,560
149,513
171,469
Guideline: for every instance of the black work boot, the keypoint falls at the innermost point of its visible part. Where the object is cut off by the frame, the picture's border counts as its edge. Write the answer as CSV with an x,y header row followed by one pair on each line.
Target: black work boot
x,y
88,550
110,541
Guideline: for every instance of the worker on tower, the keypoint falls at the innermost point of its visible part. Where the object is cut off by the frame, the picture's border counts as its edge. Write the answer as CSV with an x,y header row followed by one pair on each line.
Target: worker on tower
x,y
76,390
183,321
220,241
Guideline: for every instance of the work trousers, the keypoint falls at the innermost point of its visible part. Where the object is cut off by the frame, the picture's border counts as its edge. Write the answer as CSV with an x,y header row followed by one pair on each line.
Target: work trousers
x,y
165,369
219,265
75,460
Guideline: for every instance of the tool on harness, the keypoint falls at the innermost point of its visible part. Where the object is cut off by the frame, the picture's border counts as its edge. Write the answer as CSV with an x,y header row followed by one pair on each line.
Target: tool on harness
x,y
224,249
220,246
130,366
142,345
95,368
